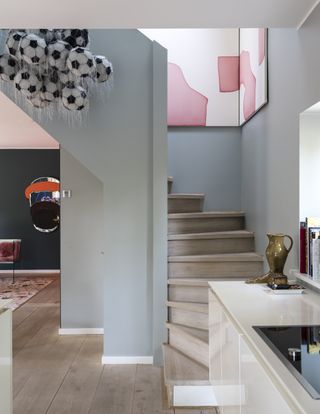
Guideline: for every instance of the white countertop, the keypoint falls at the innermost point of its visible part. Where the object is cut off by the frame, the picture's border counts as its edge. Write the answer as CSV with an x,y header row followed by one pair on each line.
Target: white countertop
x,y
4,303
251,305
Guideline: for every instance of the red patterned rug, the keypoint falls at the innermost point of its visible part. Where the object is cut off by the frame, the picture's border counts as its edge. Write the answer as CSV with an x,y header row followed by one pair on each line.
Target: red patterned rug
x,y
22,290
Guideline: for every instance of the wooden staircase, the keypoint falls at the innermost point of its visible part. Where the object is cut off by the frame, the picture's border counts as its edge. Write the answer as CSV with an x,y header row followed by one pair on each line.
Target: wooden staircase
x,y
202,246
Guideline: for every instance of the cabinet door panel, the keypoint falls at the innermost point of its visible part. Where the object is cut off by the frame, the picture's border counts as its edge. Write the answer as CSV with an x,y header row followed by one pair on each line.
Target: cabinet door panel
x,y
260,394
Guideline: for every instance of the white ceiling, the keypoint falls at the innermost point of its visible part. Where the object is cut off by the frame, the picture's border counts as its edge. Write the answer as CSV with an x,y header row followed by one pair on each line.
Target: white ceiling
x,y
18,130
158,14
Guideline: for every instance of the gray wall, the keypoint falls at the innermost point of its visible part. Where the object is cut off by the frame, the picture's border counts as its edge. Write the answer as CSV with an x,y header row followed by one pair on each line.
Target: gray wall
x,y
116,144
82,244
18,168
207,160
270,140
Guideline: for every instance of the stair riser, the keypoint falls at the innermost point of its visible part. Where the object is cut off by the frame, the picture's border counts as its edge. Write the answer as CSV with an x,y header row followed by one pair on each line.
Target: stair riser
x,y
193,294
214,269
210,246
192,347
185,205
188,318
202,225
169,187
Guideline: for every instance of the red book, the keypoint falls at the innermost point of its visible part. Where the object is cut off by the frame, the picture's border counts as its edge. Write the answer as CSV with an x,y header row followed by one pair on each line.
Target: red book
x,y
303,246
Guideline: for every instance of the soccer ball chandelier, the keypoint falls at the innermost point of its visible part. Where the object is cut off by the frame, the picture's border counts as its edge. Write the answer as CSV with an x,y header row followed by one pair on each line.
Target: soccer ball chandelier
x,y
53,67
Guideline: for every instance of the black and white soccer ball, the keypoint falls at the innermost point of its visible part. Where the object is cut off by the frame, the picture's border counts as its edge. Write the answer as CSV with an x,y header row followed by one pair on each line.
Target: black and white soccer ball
x,y
8,67
49,35
75,37
33,49
74,99
27,83
57,54
81,62
67,78
103,68
13,42
51,88
38,101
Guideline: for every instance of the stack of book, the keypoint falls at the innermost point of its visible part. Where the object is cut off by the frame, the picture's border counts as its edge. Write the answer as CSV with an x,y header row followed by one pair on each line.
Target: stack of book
x,y
310,247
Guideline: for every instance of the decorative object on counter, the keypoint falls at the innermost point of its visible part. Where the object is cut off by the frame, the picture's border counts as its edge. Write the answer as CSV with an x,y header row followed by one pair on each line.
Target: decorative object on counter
x,y
276,254
53,68
22,290
44,199
289,289
10,253
310,247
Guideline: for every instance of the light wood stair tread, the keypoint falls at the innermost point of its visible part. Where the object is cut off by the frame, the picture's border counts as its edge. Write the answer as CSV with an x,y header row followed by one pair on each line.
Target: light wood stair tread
x,y
190,306
225,257
182,370
200,334
234,234
184,196
206,214
189,282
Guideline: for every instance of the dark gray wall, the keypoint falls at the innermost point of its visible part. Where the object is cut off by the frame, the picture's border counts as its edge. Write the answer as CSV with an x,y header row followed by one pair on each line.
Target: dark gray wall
x,y
207,160
18,168
270,140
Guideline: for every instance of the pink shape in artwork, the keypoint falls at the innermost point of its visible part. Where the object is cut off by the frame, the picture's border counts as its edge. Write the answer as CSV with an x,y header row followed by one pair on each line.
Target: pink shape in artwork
x,y
228,70
262,44
248,80
186,106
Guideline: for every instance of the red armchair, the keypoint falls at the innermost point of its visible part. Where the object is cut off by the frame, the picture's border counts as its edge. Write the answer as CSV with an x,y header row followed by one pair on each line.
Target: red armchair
x,y
10,253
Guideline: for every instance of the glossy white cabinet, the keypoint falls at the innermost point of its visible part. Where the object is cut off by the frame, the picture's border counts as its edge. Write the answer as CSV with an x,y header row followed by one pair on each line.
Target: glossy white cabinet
x,y
241,384
224,358
5,361
260,394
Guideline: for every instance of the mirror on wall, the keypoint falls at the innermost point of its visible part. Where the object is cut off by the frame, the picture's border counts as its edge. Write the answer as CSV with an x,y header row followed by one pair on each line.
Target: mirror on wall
x,y
43,195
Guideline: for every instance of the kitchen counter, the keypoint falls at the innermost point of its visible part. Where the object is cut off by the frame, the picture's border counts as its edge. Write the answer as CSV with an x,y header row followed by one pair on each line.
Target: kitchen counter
x,y
3,304
255,305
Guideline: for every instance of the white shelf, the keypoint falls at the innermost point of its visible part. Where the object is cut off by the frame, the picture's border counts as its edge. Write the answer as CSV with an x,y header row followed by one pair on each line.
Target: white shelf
x,y
307,279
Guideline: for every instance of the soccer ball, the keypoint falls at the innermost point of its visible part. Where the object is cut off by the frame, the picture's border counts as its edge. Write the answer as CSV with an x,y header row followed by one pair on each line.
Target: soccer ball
x,y
48,35
75,37
33,49
51,88
67,78
13,42
74,99
38,101
8,67
104,68
27,83
81,62
57,54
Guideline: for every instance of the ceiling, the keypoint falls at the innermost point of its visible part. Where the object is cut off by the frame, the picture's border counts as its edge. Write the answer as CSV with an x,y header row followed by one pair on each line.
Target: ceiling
x,y
18,130
157,14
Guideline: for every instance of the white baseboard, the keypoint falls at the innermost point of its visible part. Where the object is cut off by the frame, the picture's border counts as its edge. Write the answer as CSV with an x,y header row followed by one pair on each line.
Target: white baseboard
x,y
30,272
81,331
127,360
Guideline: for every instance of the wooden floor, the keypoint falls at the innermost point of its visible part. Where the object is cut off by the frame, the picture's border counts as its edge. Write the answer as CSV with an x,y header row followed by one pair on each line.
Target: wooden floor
x,y
55,374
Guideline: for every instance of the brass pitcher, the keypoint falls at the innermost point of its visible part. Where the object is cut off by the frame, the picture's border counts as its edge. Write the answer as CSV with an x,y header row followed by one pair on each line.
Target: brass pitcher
x,y
276,254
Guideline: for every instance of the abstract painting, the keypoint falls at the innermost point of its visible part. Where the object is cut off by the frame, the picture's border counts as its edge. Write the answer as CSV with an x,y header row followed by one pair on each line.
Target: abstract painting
x,y
216,77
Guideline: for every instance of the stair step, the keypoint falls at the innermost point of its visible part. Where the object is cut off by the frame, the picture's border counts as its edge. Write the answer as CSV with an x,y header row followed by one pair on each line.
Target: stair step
x,y
193,315
182,203
170,182
190,341
188,290
181,370
238,241
241,265
213,221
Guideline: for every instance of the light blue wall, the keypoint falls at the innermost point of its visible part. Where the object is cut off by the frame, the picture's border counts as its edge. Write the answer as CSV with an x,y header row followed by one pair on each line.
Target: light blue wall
x,y
270,140
207,160
115,143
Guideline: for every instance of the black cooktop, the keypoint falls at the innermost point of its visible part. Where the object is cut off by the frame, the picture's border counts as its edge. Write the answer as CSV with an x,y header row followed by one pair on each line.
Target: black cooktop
x,y
298,347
